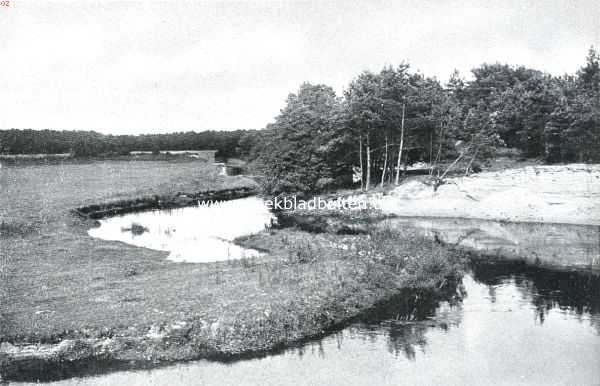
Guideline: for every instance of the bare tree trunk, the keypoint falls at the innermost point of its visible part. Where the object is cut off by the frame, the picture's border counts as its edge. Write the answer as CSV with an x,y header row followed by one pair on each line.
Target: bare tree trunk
x,y
471,162
368,181
401,146
360,158
439,152
451,166
430,148
391,176
385,160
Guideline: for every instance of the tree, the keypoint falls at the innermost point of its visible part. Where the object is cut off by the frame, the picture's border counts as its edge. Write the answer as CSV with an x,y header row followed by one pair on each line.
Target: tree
x,y
523,110
393,89
297,157
364,116
448,114
589,75
557,124
375,107
401,146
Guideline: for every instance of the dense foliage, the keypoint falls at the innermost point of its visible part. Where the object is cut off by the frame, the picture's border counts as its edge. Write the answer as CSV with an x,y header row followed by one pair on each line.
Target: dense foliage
x,y
394,118
299,152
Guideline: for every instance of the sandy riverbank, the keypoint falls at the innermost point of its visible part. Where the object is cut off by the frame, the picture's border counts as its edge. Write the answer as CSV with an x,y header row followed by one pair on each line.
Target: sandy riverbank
x,y
567,194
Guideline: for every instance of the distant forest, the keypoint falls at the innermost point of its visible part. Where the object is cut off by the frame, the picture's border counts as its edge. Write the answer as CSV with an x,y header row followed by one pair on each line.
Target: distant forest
x,y
93,144
382,121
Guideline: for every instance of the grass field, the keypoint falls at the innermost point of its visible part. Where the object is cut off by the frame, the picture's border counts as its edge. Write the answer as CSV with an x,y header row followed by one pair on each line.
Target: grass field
x,y
60,285
55,277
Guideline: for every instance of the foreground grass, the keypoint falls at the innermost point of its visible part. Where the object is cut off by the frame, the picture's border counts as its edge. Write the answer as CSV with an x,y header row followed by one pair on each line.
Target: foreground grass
x,y
304,285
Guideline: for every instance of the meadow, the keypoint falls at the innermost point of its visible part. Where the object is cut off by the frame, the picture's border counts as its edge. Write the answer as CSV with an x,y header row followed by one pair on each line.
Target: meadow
x,y
55,277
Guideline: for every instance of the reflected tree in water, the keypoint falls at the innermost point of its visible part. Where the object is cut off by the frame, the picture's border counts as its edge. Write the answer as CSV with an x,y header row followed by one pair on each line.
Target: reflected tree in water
x,y
570,291
407,317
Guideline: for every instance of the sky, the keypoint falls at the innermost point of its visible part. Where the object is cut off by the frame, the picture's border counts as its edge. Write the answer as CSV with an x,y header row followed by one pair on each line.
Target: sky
x,y
125,67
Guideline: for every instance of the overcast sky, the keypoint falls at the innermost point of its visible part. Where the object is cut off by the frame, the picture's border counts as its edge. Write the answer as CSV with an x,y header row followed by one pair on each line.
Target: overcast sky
x,y
136,67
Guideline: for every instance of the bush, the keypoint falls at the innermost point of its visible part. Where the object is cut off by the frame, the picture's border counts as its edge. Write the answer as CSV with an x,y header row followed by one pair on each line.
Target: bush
x,y
136,229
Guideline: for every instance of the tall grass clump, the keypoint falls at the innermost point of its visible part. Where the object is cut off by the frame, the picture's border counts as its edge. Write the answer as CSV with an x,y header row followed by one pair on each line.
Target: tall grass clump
x,y
405,254
302,252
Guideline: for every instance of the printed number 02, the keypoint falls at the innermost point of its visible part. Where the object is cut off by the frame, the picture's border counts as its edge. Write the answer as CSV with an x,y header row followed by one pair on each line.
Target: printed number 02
x,y
4,3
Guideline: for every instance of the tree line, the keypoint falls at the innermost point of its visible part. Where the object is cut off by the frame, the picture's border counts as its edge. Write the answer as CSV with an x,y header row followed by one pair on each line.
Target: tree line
x,y
93,144
396,117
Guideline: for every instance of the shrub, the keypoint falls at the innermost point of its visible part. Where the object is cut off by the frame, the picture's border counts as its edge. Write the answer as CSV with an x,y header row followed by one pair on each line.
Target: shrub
x,y
136,229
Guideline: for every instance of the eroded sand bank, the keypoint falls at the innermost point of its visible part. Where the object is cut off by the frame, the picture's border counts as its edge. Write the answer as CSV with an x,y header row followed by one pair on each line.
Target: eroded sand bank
x,y
567,194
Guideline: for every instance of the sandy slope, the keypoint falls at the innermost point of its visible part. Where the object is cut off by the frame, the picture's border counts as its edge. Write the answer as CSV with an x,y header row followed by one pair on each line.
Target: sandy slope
x,y
553,194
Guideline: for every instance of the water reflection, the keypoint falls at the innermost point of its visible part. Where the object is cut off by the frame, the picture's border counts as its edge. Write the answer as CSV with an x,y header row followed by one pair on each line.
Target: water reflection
x,y
575,293
503,286
405,319
556,245
506,323
193,234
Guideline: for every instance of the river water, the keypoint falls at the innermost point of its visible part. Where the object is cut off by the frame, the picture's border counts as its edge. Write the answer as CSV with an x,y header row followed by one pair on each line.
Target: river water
x,y
198,234
531,319
550,245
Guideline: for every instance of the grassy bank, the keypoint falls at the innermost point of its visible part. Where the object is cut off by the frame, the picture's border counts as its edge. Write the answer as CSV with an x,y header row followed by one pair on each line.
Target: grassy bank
x,y
164,201
303,286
